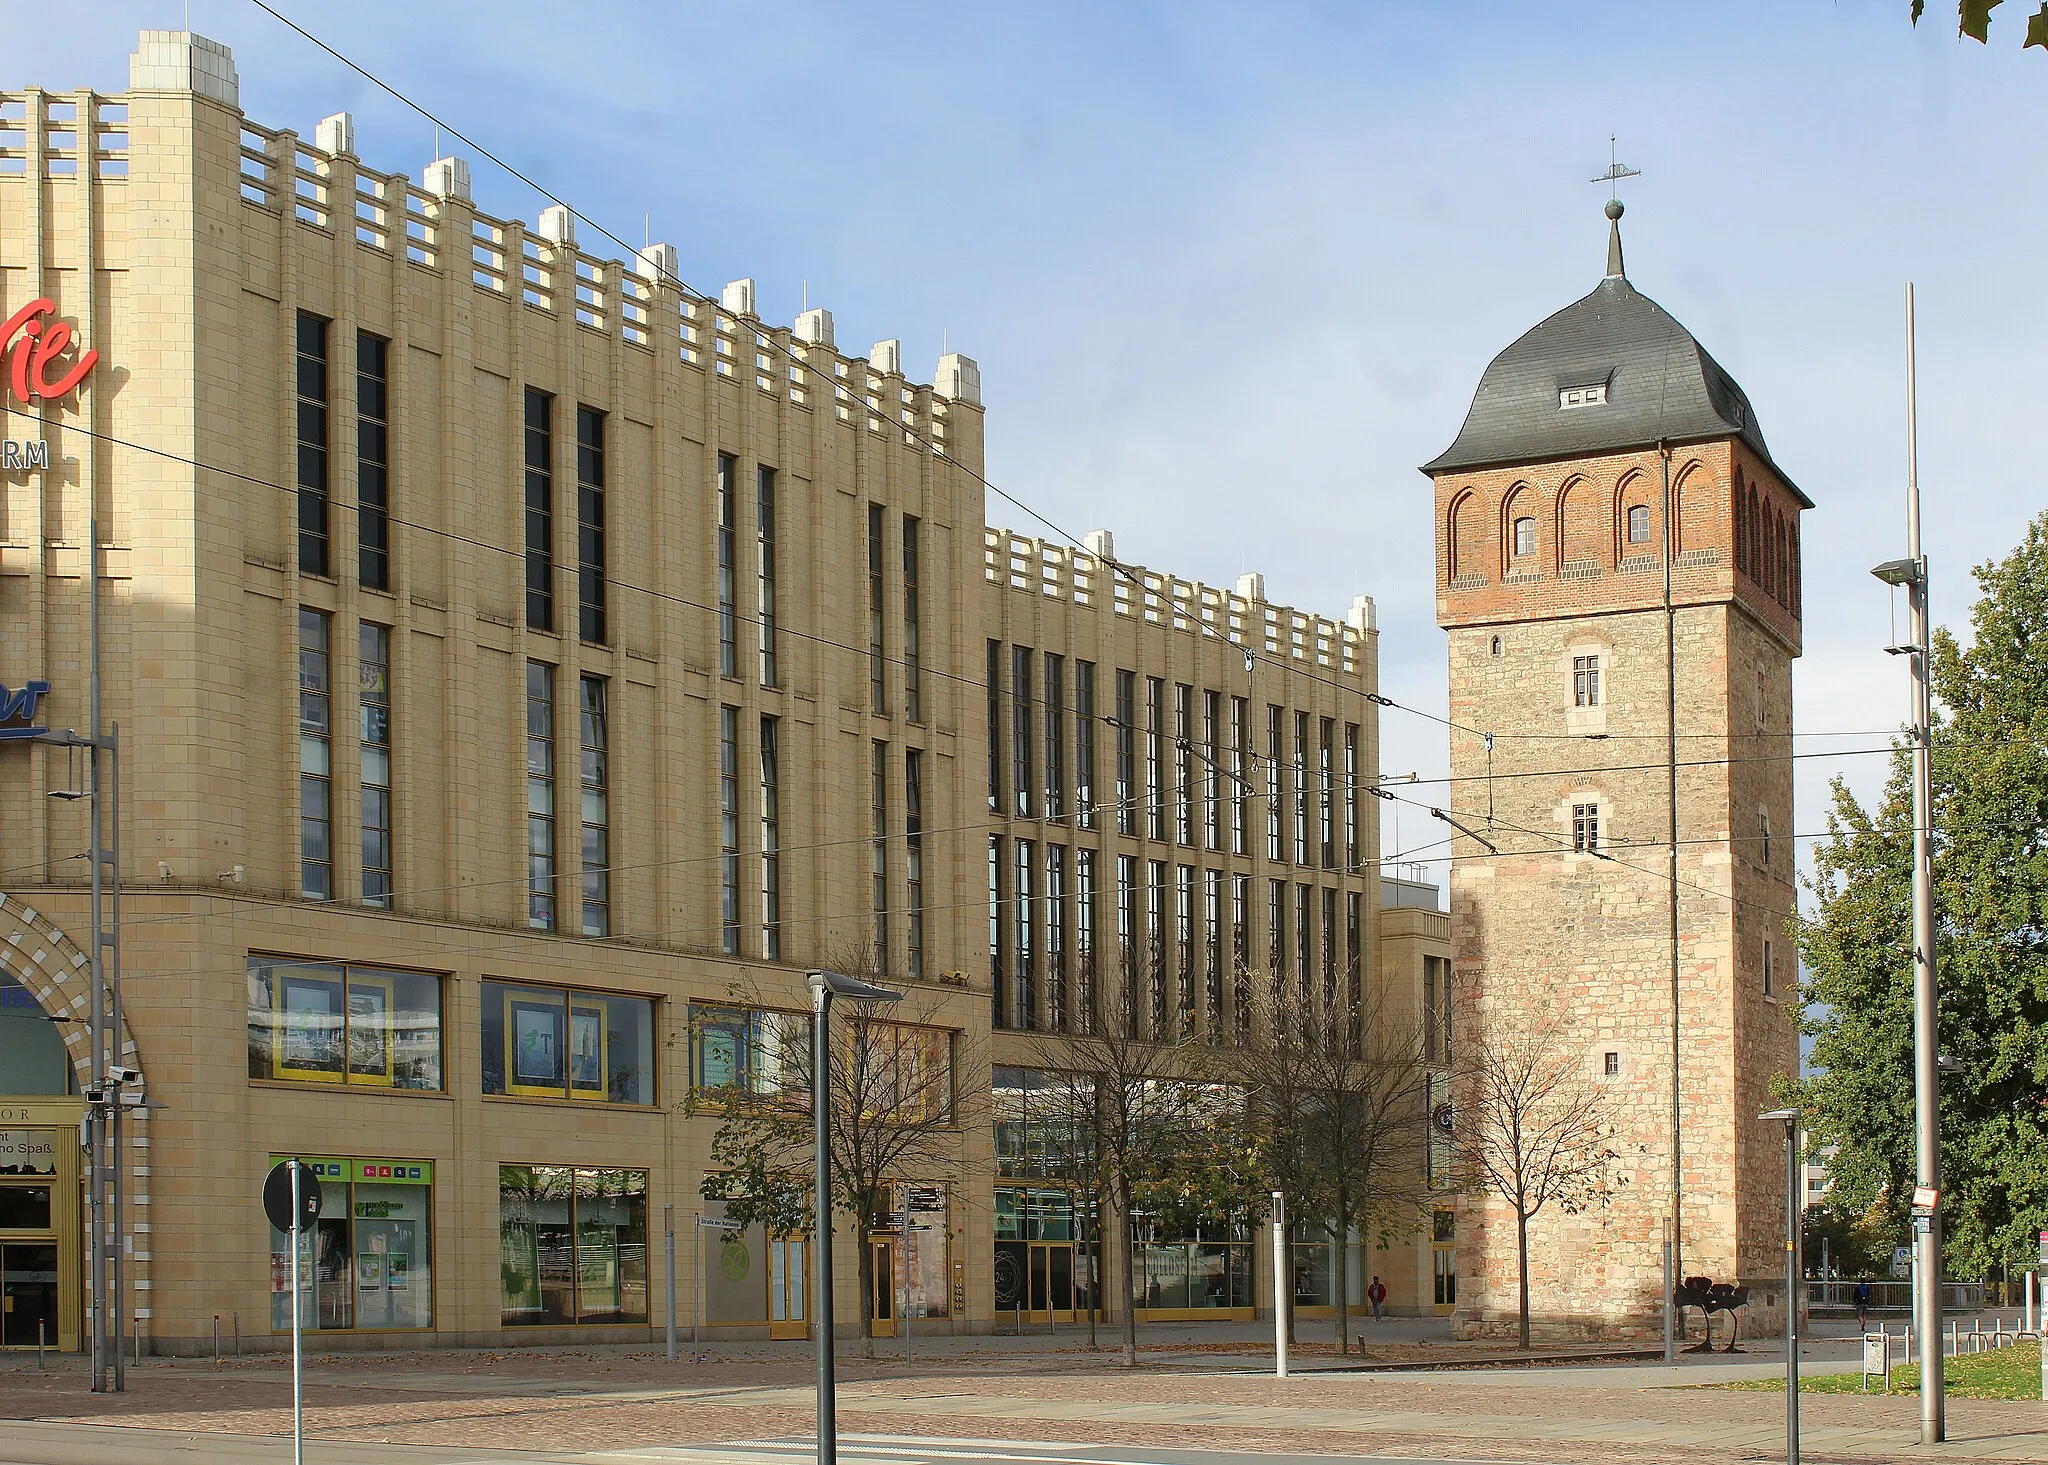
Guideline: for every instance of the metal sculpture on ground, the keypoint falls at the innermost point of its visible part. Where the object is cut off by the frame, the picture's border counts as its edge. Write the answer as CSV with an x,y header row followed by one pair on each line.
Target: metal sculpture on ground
x,y
1711,1297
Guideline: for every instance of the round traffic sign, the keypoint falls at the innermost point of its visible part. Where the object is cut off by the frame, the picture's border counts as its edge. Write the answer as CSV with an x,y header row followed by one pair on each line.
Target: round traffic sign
x,y
277,1195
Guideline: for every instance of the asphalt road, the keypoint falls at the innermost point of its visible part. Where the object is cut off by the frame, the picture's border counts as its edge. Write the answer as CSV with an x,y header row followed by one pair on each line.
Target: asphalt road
x,y
35,1443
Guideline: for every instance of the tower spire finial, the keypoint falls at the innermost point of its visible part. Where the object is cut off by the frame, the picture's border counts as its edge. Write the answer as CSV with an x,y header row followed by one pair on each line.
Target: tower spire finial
x,y
1616,171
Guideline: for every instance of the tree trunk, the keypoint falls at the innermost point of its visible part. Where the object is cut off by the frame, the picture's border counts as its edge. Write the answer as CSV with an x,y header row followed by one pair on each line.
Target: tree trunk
x,y
1128,1246
1522,1264
1340,1278
866,1269
1092,1244
1287,1234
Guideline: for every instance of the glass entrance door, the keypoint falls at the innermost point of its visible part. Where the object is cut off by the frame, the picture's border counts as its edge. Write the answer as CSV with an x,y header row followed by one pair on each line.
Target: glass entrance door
x,y
28,1293
1445,1266
787,1289
884,1252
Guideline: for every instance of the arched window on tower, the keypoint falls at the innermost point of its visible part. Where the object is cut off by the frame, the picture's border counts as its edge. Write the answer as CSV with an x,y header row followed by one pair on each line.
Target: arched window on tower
x,y
1461,548
1794,527
1741,525
1525,536
1638,523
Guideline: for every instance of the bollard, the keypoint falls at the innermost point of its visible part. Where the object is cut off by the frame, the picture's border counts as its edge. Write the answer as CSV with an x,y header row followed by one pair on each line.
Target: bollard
x,y
39,1345
238,1335
216,1337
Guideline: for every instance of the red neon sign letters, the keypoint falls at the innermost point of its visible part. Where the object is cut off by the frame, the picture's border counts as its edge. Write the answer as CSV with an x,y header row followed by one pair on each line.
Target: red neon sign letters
x,y
32,339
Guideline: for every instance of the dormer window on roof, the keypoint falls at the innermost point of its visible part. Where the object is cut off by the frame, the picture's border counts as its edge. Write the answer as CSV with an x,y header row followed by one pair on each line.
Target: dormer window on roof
x,y
1592,395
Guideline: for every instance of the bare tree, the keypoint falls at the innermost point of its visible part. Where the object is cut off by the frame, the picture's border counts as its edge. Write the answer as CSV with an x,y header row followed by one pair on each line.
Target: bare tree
x,y
1127,1100
1530,1129
1338,1095
890,1087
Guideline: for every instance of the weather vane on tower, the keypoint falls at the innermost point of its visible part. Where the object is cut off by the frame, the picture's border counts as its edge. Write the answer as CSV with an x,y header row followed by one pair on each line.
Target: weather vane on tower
x,y
1616,171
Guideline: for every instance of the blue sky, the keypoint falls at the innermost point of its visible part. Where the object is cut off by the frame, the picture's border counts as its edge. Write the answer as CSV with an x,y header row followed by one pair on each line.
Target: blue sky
x,y
1231,272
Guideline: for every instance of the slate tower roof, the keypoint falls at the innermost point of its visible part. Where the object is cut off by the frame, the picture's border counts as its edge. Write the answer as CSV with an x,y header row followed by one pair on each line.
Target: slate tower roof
x,y
1660,384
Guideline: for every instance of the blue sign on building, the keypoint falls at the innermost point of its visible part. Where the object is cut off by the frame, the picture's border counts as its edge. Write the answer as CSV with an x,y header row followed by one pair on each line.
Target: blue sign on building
x,y
18,711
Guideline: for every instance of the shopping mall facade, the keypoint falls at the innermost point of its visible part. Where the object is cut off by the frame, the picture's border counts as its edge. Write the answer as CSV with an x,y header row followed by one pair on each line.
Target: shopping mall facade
x,y
525,671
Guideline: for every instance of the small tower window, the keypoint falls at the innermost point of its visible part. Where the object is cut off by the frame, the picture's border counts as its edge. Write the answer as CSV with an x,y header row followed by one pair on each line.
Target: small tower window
x,y
1585,829
1594,395
1612,1067
1496,646
1639,524
1765,821
1525,536
1585,681
1770,972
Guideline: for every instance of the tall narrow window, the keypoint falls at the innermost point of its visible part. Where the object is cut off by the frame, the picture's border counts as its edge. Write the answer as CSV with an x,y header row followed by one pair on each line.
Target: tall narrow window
x,y
1084,937
878,651
1586,829
729,829
878,844
590,584
1326,758
1770,972
1126,754
1155,750
1432,1028
1303,917
1021,707
540,796
1127,942
374,700
540,510
1585,681
1240,774
1056,937
1084,742
995,727
316,758
724,495
913,634
996,994
1241,952
1055,736
1301,800
1183,763
771,843
1025,1015
1276,932
593,722
373,462
1184,944
1354,968
1764,829
1215,1018
312,438
764,529
913,861
1351,796
1212,771
1276,802
1155,945
1329,915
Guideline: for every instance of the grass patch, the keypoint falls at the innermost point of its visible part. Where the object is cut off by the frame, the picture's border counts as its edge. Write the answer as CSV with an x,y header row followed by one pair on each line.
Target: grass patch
x,y
2006,1373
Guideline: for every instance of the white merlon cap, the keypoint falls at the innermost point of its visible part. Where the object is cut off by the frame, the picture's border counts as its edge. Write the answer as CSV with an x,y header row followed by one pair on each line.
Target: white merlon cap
x,y
1363,615
659,263
1251,585
958,378
178,61
336,135
1101,543
447,178
558,225
887,357
738,297
815,326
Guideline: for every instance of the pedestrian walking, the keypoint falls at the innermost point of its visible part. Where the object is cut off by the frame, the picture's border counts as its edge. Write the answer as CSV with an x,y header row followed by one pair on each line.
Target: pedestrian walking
x,y
1863,1305
1376,1294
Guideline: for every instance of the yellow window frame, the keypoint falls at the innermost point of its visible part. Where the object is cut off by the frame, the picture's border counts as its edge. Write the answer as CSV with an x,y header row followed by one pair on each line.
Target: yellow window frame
x,y
280,1065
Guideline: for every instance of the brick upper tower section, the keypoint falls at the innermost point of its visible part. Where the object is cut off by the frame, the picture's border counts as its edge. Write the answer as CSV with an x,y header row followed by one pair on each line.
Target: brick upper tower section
x,y
1551,501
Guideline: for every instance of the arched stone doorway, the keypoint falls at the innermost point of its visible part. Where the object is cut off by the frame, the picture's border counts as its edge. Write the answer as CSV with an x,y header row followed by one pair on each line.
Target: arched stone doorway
x,y
45,1062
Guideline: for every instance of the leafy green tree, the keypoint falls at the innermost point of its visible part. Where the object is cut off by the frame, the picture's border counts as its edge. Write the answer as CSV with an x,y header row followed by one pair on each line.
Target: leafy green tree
x,y
1973,19
1990,842
1854,1243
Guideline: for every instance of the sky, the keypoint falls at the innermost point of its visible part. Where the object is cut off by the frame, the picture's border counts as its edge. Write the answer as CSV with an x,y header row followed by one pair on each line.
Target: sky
x,y
1231,271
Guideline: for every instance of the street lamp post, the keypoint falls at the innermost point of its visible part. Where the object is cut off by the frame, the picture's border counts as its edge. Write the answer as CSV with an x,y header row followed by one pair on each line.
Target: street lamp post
x,y
1792,1257
824,987
1911,572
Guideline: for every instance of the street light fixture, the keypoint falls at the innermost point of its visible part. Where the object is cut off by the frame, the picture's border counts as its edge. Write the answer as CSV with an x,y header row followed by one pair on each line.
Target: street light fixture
x,y
1792,1249
1899,572
825,986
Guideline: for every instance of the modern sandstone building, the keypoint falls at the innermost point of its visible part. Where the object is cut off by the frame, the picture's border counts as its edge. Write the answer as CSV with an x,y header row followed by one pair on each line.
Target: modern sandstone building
x,y
1609,468
525,669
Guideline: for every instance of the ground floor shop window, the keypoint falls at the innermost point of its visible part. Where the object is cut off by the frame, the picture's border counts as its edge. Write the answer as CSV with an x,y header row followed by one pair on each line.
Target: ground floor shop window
x,y
572,1244
552,1043
315,1023
367,1262
1315,1274
1179,1275
749,1277
913,1252
1045,1260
